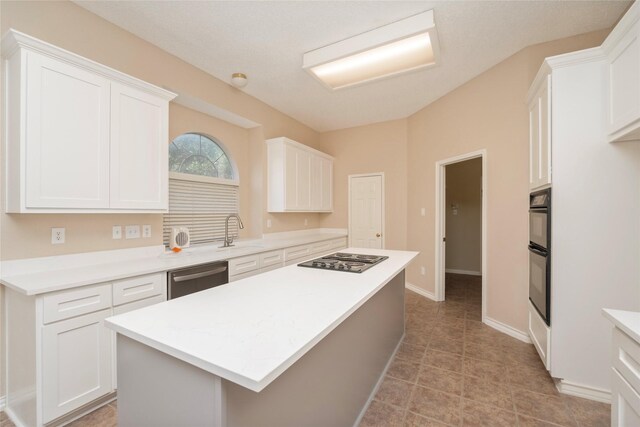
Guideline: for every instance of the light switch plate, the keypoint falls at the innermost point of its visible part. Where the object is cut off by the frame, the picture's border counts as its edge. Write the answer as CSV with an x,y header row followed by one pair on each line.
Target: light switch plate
x,y
146,231
423,211
57,236
132,232
117,232
423,270
268,223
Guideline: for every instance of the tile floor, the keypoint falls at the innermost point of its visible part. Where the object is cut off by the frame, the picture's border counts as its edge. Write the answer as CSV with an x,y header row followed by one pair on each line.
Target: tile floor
x,y
453,370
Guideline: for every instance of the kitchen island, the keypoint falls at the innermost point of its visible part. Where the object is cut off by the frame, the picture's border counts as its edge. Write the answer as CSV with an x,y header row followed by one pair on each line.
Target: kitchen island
x,y
294,346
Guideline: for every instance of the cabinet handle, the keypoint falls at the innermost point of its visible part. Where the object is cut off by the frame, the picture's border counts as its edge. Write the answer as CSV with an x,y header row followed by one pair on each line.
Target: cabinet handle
x,y
377,234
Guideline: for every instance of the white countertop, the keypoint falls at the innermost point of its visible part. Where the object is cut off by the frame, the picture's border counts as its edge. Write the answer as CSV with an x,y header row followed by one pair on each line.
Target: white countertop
x,y
63,272
628,321
249,332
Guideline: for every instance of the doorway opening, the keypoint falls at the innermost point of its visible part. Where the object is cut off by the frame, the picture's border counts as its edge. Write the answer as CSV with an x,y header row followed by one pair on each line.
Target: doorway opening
x,y
366,211
461,232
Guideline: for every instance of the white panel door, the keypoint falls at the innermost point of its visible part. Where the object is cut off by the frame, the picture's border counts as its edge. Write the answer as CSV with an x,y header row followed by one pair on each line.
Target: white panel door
x,y
76,363
544,162
365,199
290,177
139,149
534,142
67,136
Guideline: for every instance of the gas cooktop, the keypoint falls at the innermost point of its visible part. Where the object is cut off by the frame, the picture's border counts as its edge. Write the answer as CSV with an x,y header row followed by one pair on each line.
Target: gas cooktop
x,y
341,261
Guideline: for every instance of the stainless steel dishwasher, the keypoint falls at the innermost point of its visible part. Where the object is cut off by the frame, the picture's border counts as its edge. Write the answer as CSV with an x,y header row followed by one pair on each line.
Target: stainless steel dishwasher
x,y
197,278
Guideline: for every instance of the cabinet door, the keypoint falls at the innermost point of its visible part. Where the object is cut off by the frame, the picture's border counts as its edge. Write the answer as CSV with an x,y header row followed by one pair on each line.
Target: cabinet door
x,y
139,149
303,180
540,136
317,183
544,163
76,363
327,184
290,177
66,136
624,81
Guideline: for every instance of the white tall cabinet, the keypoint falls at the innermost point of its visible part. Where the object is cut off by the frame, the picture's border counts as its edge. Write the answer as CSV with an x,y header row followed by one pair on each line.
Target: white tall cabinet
x,y
79,136
300,178
594,218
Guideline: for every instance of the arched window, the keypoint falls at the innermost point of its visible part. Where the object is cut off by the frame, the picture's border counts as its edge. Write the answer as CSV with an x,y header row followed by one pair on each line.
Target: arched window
x,y
203,188
197,154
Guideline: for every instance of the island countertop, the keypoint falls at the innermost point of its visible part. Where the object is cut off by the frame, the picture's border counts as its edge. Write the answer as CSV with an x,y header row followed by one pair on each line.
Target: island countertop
x,y
249,332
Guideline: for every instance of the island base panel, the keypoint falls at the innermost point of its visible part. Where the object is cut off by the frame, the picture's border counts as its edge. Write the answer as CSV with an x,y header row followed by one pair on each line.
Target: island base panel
x,y
328,386
156,390
332,383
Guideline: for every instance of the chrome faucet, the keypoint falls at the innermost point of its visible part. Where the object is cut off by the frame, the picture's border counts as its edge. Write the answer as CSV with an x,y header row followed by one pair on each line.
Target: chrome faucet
x,y
228,241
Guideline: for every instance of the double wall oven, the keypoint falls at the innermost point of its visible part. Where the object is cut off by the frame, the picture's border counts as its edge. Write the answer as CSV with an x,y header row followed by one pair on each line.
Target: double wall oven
x,y
540,252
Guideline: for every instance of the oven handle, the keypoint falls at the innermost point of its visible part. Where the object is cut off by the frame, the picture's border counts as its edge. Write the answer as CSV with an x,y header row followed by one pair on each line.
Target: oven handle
x,y
199,275
538,251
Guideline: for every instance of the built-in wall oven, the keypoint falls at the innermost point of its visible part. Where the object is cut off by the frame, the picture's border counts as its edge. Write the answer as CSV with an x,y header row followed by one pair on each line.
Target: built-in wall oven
x,y
197,278
540,252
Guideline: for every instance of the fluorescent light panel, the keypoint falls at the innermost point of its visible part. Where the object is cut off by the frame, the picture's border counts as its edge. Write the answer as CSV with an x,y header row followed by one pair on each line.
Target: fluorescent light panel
x,y
396,48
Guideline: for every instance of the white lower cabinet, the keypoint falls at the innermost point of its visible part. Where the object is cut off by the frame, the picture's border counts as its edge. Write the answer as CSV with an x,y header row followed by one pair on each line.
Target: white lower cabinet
x,y
61,356
625,380
540,335
76,363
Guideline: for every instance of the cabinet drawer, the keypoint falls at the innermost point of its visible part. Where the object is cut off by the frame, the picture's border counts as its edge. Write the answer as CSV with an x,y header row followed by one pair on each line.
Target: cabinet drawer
x,y
273,258
137,288
297,252
321,247
243,264
67,304
243,275
626,358
340,243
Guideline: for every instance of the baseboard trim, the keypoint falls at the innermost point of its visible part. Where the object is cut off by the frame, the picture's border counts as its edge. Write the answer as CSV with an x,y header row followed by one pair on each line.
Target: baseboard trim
x,y
13,417
467,272
584,391
420,291
3,402
378,384
506,329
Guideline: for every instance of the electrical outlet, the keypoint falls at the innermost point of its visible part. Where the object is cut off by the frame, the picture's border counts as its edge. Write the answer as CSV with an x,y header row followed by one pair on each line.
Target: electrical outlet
x,y
306,222
116,232
146,231
132,232
423,270
268,223
57,236
423,211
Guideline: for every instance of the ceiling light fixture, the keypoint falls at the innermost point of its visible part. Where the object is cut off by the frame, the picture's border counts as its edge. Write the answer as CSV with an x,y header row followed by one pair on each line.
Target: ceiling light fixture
x,y
239,80
402,46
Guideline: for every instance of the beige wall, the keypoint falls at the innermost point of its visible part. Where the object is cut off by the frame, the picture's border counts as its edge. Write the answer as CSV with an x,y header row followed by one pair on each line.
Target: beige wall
x,y
380,147
69,26
464,216
488,112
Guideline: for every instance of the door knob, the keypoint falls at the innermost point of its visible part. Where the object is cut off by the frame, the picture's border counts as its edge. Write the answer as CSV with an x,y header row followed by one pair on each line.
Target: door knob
x,y
377,234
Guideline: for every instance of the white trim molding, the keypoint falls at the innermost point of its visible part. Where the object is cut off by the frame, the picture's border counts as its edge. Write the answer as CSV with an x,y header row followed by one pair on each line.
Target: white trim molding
x,y
3,402
440,231
467,272
420,291
584,391
506,329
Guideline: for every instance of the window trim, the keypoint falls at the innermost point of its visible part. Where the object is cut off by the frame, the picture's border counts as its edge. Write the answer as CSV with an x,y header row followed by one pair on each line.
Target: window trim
x,y
202,178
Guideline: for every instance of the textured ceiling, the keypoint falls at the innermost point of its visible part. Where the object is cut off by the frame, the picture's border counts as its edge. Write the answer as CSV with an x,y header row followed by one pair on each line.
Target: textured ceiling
x,y
266,41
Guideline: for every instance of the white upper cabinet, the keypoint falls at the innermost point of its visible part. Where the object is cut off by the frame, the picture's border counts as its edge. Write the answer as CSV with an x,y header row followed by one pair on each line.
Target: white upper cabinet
x,y
139,154
300,178
623,53
80,137
540,133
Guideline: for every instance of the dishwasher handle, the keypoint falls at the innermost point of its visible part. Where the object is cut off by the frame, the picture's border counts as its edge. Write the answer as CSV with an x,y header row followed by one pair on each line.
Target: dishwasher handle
x,y
199,275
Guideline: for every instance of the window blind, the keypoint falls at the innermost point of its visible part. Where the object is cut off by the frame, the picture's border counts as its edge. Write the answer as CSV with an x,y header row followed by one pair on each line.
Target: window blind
x,y
203,208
